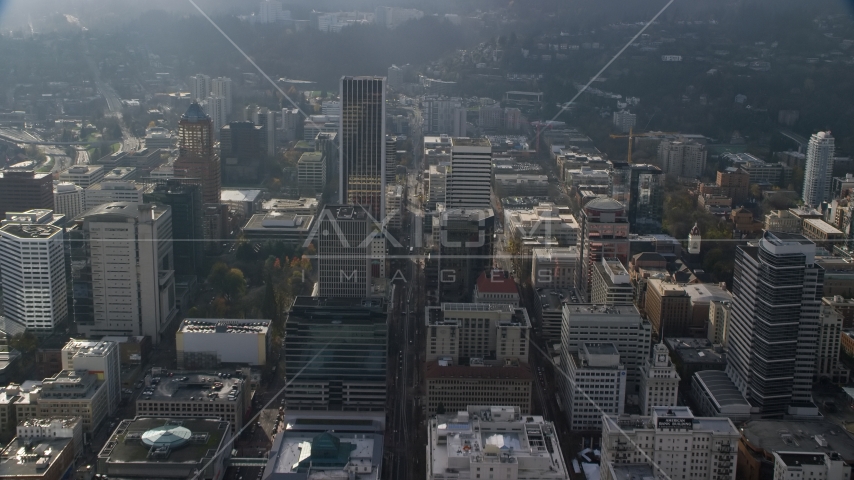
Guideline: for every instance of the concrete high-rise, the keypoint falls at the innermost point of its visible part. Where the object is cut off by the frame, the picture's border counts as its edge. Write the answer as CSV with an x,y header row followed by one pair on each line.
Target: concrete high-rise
x,y
344,236
818,173
196,155
267,122
468,183
22,190
188,233
68,199
361,139
215,106
641,188
604,234
683,158
33,275
122,270
773,332
200,87
100,358
221,87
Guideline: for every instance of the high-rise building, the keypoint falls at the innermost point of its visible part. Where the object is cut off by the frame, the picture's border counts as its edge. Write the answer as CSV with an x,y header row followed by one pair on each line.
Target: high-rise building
x,y
336,354
625,120
311,172
469,178
395,77
641,188
668,307
196,156
659,381
22,190
604,234
719,315
221,87
215,106
188,234
290,118
112,191
818,173
200,87
673,442
267,122
683,158
621,325
488,332
361,138
465,250
68,200
828,367
774,327
100,358
344,251
595,385
444,116
33,276
240,152
390,160
122,270
555,267
611,283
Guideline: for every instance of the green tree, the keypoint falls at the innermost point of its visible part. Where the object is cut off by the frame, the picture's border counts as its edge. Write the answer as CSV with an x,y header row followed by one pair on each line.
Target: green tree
x,y
25,342
216,277
234,283
269,308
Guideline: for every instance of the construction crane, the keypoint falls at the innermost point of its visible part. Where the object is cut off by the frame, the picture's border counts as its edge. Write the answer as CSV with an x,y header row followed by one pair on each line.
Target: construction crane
x,y
632,135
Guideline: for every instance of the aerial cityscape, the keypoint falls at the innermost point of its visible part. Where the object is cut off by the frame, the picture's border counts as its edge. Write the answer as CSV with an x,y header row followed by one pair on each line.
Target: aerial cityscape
x,y
427,240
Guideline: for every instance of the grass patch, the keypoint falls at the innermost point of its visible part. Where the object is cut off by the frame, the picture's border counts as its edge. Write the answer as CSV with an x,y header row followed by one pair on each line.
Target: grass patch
x,y
115,147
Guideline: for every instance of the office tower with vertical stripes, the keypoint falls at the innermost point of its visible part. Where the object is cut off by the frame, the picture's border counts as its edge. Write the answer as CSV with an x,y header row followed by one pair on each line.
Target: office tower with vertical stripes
x,y
469,181
361,137
196,155
818,173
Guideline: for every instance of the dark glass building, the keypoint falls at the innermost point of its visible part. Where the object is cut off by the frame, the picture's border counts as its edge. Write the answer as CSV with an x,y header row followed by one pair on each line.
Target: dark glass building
x,y
240,152
335,354
188,234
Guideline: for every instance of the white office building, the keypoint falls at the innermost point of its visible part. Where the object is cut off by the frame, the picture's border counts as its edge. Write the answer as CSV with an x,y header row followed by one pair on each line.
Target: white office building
x,y
100,358
112,191
595,384
200,87
68,200
611,283
485,442
659,381
469,179
810,465
221,87
201,342
673,442
32,273
624,120
818,174
83,175
129,252
215,107
621,325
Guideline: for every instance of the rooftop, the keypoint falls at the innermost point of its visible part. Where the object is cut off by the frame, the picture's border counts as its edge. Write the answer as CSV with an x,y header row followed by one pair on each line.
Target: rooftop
x,y
723,390
104,211
22,459
208,387
197,325
519,371
234,195
271,221
30,231
707,292
823,226
470,142
799,436
127,444
496,281
797,459
695,350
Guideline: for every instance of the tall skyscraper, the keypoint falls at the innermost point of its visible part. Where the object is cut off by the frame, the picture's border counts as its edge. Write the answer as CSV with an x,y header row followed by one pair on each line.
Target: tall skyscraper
x,y
683,158
465,251
240,152
818,173
22,190
99,358
774,325
361,137
641,188
221,87
188,234
216,108
469,179
33,275
196,156
122,270
200,87
267,122
390,159
344,251
604,234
